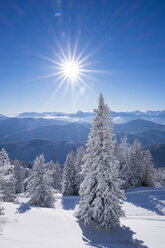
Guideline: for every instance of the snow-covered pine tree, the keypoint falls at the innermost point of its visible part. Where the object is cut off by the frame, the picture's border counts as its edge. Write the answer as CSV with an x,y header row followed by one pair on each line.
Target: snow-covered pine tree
x,y
116,147
38,188
26,173
147,174
159,177
69,175
55,172
7,182
78,165
18,175
136,157
100,194
124,159
58,183
1,209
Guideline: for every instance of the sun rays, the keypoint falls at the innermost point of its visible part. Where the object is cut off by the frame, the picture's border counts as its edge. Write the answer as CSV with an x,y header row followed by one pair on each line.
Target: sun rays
x,y
71,69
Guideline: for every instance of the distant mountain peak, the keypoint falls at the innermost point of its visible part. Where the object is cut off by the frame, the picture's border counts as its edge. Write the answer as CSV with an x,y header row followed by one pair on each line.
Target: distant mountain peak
x,y
87,117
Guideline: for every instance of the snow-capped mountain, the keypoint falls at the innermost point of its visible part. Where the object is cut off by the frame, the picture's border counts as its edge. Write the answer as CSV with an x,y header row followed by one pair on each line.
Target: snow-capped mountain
x,y
79,116
2,117
118,117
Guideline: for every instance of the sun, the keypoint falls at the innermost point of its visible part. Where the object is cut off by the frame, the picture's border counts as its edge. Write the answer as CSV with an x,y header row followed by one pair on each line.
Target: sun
x,y
71,70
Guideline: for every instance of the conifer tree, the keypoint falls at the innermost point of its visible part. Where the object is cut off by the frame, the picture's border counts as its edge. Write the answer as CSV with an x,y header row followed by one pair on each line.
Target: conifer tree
x,y
18,175
116,148
55,172
100,194
26,173
1,209
69,175
124,159
38,188
78,166
136,156
7,182
58,182
147,174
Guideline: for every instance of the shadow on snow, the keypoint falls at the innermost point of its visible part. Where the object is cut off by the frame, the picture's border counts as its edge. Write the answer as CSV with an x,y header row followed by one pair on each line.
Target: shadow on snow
x,y
24,207
69,202
148,198
121,238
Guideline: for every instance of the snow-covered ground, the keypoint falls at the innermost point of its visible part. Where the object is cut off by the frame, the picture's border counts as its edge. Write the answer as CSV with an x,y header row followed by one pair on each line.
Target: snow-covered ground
x,y
31,227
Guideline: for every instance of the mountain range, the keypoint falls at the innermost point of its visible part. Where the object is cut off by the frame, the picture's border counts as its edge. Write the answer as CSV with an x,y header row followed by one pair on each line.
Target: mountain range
x,y
18,130
79,116
158,154
28,150
25,138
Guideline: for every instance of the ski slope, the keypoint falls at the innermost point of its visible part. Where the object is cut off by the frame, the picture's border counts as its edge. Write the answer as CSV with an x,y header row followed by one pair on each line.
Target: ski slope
x,y
23,226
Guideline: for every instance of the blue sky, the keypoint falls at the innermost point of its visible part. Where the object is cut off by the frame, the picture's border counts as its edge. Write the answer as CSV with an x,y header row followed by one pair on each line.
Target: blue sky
x,y
127,39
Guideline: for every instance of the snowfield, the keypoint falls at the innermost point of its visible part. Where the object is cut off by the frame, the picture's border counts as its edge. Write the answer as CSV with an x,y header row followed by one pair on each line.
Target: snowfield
x,y
23,226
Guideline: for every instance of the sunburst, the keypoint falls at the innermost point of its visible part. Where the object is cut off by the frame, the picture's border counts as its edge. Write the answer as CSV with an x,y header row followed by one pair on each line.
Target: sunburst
x,y
71,69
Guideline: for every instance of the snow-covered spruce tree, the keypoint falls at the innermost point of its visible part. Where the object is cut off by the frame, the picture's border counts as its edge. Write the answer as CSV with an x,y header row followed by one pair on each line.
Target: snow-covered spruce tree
x,y
69,175
7,182
124,159
26,173
18,175
100,195
147,173
1,209
116,147
58,183
38,188
159,177
55,172
136,157
78,165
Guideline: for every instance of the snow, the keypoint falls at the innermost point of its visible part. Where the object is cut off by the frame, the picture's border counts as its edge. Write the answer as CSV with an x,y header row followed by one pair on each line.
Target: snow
x,y
34,227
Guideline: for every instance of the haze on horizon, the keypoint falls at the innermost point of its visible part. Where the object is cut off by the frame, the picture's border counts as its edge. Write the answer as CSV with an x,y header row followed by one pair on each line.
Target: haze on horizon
x,y
126,41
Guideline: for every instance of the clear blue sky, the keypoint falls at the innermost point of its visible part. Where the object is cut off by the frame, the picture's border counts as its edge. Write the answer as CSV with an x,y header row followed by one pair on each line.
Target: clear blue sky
x,y
128,38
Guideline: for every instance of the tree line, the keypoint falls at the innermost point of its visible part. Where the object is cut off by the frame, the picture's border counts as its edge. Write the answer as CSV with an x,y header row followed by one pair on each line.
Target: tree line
x,y
99,174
